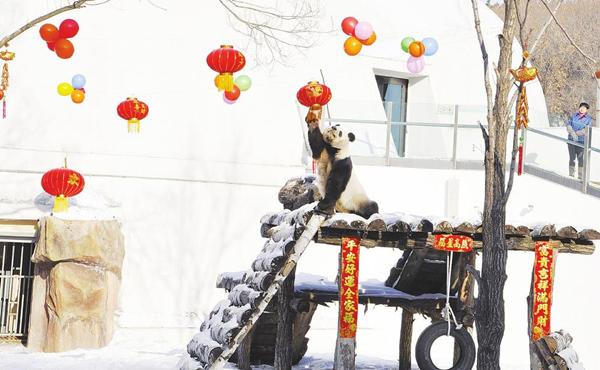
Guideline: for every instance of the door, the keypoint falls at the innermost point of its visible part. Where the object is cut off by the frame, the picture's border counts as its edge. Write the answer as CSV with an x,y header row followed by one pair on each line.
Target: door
x,y
395,90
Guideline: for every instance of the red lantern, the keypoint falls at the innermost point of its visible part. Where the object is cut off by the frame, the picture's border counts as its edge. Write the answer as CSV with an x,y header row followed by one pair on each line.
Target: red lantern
x,y
62,183
133,111
313,93
225,60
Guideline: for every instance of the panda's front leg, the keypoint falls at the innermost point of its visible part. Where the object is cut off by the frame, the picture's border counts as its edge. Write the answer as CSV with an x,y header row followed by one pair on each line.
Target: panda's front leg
x,y
334,186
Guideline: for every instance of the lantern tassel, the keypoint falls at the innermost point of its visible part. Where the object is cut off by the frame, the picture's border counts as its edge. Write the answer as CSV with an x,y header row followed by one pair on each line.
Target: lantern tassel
x,y
133,126
4,107
61,204
225,82
520,167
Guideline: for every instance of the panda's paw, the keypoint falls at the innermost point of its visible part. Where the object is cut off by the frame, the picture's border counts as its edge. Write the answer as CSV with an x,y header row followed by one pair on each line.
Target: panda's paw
x,y
328,211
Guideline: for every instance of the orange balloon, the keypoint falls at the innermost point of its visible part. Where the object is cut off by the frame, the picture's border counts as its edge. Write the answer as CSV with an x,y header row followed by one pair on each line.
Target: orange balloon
x,y
77,96
64,48
416,49
49,32
370,40
352,46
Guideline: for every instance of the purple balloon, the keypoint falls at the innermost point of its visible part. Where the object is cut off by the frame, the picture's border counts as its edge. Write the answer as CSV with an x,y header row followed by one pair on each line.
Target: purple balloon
x,y
363,30
415,65
227,100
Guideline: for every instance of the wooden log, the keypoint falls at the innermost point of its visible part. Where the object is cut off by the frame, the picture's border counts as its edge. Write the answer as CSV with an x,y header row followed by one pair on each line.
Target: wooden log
x,y
466,296
358,224
283,344
398,226
227,282
588,234
543,231
377,224
242,295
567,232
205,351
283,232
223,333
259,280
523,230
239,314
244,350
270,264
300,329
406,330
465,228
443,227
510,229
421,226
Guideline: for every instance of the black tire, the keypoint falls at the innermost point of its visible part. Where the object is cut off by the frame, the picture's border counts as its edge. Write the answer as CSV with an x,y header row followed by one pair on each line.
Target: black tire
x,y
439,329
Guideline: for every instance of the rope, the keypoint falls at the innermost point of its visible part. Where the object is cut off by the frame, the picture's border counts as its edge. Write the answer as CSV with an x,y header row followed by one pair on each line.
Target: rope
x,y
447,310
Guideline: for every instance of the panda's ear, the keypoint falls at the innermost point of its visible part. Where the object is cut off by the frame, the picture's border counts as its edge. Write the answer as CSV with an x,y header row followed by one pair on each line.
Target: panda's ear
x,y
351,137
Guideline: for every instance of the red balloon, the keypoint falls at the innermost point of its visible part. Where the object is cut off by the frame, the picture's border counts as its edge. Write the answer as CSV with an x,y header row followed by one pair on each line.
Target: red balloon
x,y
68,28
51,45
348,25
82,90
49,32
233,95
64,48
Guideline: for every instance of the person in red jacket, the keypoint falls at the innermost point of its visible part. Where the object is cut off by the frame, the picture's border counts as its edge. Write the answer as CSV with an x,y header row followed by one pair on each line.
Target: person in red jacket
x,y
576,128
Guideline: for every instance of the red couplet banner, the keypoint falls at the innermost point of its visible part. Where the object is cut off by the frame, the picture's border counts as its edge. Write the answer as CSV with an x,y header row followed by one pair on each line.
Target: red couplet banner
x,y
349,287
453,243
543,274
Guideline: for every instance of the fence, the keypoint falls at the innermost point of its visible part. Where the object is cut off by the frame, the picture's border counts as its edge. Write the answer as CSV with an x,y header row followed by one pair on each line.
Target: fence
x,y
456,142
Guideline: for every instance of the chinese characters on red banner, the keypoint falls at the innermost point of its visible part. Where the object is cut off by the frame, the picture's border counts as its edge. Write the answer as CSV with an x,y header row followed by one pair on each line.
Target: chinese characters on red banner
x,y
453,243
542,289
349,287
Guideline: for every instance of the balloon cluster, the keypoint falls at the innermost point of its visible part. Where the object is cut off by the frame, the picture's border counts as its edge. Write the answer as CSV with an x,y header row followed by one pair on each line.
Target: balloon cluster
x,y
57,38
428,46
361,33
241,83
75,89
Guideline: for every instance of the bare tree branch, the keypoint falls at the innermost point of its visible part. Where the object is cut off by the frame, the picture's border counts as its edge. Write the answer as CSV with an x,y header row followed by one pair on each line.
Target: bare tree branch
x,y
588,58
277,34
76,5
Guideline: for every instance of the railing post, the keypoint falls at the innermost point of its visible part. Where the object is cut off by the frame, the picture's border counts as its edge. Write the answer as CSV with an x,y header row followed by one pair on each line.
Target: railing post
x,y
455,139
388,112
587,145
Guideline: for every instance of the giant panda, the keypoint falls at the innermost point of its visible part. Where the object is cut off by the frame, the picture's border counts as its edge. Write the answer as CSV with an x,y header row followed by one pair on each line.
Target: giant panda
x,y
336,180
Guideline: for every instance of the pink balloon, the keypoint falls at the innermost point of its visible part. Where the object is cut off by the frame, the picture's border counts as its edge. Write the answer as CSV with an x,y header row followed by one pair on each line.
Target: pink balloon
x,y
227,100
415,65
363,30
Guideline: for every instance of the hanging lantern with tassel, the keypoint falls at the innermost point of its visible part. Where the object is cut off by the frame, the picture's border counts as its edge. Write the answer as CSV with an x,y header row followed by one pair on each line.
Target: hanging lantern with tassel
x,y
314,95
62,183
133,111
6,56
523,75
225,60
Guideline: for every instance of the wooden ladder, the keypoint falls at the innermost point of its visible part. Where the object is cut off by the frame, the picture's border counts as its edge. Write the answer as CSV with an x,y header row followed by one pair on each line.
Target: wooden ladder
x,y
311,229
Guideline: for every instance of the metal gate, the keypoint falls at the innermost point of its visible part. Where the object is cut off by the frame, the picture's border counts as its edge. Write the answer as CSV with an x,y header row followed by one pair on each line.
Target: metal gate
x,y
16,282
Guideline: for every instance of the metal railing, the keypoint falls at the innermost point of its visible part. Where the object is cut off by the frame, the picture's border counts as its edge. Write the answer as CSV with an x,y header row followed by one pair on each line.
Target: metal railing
x,y
16,283
454,162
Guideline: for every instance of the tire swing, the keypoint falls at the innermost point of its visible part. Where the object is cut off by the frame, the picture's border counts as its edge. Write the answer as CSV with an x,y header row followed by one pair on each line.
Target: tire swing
x,y
451,243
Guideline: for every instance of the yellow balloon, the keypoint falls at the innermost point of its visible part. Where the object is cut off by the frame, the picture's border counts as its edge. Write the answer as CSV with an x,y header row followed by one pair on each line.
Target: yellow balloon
x,y
64,89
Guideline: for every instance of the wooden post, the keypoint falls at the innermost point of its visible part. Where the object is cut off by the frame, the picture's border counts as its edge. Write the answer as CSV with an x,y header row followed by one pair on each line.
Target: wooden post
x,y
406,330
348,302
243,351
539,301
283,344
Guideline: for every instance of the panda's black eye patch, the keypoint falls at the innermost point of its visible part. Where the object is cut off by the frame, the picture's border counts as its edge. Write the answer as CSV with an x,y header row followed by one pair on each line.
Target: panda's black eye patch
x,y
340,134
